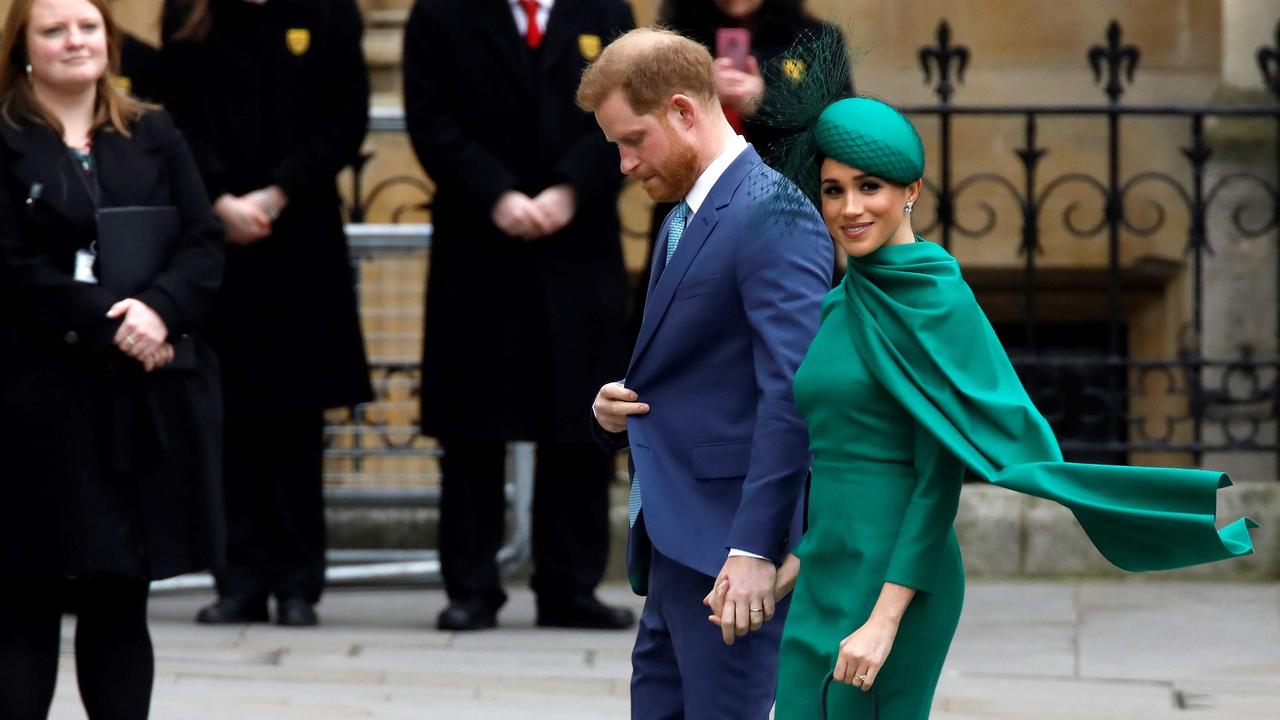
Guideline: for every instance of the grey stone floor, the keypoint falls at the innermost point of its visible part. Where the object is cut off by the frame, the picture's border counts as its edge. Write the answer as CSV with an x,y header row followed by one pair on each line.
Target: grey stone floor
x,y
1025,651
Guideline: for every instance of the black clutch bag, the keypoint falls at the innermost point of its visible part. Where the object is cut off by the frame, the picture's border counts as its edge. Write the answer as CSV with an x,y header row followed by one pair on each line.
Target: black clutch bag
x,y
134,246
822,700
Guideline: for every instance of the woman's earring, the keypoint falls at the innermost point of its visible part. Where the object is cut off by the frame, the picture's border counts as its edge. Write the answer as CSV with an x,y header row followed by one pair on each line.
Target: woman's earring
x,y
909,204
28,71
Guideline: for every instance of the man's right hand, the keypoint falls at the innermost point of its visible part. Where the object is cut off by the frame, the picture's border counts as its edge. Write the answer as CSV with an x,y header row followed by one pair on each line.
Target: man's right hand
x,y
613,404
517,215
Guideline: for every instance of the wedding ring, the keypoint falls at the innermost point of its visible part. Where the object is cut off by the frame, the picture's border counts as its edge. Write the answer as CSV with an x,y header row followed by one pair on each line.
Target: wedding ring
x,y
131,340
757,609
859,677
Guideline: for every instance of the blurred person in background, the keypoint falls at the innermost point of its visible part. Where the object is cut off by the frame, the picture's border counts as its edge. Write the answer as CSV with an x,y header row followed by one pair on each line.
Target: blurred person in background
x,y
771,28
274,98
110,437
526,297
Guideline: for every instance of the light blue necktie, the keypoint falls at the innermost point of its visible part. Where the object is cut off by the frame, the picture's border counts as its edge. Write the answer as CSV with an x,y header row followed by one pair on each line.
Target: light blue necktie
x,y
675,229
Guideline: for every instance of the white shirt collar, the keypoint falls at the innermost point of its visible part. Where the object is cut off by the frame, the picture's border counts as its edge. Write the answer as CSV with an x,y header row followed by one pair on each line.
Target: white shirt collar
x,y
707,180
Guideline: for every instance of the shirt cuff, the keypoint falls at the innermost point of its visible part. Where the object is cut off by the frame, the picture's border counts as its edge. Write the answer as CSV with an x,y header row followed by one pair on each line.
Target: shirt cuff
x,y
735,552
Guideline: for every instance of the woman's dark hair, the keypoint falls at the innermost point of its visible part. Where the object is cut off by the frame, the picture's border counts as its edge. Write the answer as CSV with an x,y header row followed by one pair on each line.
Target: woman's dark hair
x,y
186,20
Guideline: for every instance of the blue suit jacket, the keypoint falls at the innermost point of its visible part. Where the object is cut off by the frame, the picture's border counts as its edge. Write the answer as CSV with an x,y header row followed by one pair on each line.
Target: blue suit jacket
x,y
723,454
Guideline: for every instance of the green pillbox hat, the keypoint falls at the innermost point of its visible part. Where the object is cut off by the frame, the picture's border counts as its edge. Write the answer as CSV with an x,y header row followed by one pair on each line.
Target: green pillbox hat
x,y
872,137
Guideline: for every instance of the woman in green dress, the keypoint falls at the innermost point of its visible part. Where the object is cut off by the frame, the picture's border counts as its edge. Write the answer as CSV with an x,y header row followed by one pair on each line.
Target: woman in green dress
x,y
904,387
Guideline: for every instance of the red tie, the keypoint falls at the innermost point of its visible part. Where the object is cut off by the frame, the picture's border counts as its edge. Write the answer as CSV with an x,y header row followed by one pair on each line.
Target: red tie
x,y
534,35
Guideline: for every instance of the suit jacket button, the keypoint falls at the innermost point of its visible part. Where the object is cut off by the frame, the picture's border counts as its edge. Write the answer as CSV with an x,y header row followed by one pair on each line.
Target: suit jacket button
x,y
71,337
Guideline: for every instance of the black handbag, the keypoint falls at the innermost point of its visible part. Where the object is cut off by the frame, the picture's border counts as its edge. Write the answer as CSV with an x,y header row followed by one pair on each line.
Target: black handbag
x,y
822,699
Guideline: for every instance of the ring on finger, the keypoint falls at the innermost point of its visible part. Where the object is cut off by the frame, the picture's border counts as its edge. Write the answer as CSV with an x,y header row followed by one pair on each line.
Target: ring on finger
x,y
131,339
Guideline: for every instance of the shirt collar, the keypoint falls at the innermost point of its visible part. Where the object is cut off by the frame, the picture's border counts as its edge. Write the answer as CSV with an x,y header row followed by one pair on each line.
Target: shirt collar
x,y
707,180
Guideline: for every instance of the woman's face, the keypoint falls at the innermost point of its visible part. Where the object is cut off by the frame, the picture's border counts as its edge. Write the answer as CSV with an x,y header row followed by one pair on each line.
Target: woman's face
x,y
739,9
864,212
66,45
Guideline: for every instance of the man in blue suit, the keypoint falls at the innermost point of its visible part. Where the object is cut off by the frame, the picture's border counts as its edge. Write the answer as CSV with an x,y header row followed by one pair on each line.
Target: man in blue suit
x,y
719,451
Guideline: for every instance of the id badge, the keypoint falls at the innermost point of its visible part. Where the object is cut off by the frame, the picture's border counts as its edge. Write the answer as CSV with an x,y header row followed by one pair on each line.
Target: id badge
x,y
84,267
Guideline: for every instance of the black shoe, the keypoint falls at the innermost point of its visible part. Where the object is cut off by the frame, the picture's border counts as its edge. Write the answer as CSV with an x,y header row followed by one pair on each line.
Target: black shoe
x,y
233,611
584,611
295,612
467,615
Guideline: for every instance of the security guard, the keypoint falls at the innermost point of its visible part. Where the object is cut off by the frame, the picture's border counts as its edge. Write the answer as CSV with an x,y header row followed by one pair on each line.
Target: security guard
x,y
274,98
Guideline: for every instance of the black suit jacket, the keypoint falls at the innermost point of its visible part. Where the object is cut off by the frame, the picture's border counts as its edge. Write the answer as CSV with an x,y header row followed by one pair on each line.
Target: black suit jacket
x,y
115,470
487,115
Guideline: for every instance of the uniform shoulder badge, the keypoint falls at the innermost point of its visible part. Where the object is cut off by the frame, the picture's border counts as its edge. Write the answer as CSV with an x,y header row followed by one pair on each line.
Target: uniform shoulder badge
x,y
298,40
793,69
589,46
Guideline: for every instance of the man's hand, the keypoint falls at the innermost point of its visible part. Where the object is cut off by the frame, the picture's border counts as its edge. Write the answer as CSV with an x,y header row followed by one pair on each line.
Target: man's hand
x,y
271,199
740,90
244,219
613,404
558,203
520,217
747,602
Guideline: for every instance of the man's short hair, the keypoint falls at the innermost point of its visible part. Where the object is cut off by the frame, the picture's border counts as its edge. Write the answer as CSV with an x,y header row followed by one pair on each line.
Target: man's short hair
x,y
649,66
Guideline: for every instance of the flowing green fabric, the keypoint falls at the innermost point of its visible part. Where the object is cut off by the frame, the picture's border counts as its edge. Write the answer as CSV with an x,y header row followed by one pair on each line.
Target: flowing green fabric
x,y
919,329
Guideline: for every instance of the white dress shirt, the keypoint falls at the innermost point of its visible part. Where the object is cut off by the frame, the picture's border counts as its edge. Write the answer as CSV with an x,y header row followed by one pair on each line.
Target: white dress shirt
x,y
522,20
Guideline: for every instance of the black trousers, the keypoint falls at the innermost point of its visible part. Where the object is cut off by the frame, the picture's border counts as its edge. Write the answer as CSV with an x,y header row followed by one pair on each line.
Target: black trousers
x,y
570,520
273,483
115,664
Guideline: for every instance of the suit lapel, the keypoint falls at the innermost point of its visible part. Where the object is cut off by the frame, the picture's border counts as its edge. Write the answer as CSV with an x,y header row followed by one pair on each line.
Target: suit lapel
x,y
496,23
696,232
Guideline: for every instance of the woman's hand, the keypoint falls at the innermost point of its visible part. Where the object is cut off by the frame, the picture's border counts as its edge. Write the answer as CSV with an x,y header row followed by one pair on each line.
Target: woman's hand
x,y
141,333
740,90
245,219
863,653
158,358
784,583
788,571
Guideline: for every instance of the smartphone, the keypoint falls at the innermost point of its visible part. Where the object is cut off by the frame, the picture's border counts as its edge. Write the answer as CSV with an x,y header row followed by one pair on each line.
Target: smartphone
x,y
735,44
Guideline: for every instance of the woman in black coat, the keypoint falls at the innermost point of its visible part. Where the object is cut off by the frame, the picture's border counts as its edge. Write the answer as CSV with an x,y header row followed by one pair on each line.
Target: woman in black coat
x,y
110,439
274,99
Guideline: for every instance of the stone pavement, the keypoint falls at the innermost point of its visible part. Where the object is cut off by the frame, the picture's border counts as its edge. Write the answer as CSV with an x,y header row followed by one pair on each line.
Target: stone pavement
x,y
1113,650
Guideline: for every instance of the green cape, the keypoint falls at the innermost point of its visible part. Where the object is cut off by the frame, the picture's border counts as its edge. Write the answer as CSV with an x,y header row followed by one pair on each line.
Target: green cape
x,y
920,330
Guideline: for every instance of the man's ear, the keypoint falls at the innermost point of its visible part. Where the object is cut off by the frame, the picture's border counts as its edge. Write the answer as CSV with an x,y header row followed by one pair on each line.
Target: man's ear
x,y
684,109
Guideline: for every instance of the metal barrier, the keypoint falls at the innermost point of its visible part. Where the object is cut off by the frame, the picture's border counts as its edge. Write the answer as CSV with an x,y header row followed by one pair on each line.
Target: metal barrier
x,y
374,455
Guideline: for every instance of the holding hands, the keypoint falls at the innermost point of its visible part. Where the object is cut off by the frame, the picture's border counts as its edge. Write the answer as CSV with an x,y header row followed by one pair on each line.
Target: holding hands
x,y
744,596
142,335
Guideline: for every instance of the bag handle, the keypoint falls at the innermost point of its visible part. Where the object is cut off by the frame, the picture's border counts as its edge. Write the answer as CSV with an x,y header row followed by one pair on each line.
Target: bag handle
x,y
822,699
